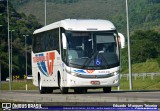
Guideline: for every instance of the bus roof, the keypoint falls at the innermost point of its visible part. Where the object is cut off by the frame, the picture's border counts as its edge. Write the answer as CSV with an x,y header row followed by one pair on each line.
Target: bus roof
x,y
79,25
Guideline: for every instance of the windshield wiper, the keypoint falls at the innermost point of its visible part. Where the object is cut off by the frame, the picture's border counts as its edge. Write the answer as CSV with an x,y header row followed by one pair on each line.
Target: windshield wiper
x,y
106,66
93,56
89,60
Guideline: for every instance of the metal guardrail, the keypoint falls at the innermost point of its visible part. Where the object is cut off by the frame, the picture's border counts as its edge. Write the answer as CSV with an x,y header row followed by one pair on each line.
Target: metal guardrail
x,y
143,75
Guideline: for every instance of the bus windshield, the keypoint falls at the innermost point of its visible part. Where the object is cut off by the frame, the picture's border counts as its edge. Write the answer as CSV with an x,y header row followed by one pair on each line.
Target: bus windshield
x,y
92,50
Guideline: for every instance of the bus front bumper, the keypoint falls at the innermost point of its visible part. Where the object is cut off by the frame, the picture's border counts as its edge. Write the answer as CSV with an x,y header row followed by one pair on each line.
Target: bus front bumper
x,y
73,81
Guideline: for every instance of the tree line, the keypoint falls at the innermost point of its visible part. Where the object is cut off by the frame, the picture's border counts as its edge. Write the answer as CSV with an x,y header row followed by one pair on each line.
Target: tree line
x,y
20,25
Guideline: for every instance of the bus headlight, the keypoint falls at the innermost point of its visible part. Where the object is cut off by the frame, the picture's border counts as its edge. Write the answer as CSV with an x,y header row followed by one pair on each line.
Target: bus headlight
x,y
116,72
73,73
70,72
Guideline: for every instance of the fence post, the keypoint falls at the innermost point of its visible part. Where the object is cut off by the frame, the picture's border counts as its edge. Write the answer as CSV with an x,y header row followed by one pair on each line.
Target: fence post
x,y
135,76
143,76
118,88
152,76
127,77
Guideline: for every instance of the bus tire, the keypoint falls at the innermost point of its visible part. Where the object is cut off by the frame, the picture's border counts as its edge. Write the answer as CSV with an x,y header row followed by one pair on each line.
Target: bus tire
x,y
107,89
63,90
80,90
42,89
49,90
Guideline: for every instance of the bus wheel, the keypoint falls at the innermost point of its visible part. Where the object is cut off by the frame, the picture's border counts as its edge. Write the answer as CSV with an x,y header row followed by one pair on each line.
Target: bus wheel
x,y
107,89
41,89
64,90
80,90
49,90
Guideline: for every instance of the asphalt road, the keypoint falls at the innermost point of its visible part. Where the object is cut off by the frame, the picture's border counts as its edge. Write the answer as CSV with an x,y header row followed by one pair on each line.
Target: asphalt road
x,y
91,96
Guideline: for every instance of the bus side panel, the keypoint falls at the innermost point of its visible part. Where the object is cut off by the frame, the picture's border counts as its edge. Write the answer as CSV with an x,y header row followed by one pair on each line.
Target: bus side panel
x,y
47,64
35,75
34,71
57,67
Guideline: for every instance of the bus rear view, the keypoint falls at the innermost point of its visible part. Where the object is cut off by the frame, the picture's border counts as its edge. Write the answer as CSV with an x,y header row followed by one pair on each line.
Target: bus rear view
x,y
87,56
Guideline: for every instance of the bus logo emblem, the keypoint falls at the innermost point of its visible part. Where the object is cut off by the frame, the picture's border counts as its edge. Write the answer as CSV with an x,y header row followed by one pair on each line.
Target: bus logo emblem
x,y
90,71
45,62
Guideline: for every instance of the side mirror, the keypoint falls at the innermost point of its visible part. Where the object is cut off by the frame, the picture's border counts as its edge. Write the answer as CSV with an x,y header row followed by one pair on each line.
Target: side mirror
x,y
121,40
64,41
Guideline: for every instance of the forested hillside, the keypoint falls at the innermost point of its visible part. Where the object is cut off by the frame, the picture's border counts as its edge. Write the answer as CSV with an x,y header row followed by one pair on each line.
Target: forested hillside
x,y
28,15
143,14
80,9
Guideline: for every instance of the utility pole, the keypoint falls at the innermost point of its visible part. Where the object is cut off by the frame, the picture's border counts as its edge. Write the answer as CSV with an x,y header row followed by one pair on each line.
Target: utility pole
x,y
9,56
0,66
45,12
26,51
129,52
26,57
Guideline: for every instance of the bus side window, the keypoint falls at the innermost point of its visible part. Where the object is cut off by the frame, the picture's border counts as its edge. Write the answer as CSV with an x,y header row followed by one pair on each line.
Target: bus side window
x,y
43,41
46,45
50,42
38,45
53,41
56,40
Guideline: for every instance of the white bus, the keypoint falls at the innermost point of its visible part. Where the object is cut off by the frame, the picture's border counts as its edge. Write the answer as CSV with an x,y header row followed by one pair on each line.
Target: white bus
x,y
76,54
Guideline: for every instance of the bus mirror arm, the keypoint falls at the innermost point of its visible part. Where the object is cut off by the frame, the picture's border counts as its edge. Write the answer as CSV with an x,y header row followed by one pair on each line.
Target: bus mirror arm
x,y
64,41
121,40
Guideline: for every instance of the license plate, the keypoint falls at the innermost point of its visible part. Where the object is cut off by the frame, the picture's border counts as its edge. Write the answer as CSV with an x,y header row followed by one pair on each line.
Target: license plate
x,y
95,82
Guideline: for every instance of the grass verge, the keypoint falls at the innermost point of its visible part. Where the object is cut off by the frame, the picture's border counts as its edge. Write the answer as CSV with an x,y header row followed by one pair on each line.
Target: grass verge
x,y
19,85
138,84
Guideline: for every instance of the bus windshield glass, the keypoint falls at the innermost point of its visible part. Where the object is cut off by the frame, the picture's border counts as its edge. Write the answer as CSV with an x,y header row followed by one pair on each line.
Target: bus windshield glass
x,y
92,50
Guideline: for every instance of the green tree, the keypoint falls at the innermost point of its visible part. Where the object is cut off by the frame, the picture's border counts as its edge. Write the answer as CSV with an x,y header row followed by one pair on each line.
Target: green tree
x,y
144,45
